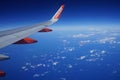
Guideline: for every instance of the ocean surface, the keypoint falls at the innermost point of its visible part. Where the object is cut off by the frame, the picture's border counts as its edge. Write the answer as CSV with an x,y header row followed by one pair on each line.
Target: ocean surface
x,y
92,54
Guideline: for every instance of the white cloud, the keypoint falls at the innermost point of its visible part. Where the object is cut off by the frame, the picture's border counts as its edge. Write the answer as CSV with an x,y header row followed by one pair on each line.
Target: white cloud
x,y
70,66
27,63
82,57
66,49
91,60
107,39
63,57
38,65
62,78
92,51
36,75
81,43
55,63
103,51
24,68
82,35
71,49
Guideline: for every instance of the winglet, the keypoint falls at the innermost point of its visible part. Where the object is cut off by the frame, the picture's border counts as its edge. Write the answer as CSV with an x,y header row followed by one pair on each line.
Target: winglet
x,y
57,14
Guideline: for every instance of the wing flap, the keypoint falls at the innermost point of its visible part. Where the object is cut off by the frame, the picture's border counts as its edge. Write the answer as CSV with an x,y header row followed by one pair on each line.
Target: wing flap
x,y
26,41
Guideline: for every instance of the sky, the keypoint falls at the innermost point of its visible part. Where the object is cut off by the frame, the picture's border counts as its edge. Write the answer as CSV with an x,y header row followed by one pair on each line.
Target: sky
x,y
17,13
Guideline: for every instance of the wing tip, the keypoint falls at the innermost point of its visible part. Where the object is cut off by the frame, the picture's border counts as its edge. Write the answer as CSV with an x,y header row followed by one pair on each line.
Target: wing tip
x,y
58,13
63,5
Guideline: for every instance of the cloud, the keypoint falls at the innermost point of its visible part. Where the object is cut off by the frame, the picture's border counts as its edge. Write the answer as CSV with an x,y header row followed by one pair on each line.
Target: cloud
x,y
55,63
36,75
62,78
81,58
70,65
69,49
92,51
81,43
82,35
107,40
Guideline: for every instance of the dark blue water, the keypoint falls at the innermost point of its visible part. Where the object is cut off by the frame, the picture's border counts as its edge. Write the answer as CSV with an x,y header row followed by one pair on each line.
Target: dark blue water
x,y
65,55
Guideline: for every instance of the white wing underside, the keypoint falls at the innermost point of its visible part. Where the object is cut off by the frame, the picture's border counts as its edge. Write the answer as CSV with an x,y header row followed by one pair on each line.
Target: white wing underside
x,y
11,36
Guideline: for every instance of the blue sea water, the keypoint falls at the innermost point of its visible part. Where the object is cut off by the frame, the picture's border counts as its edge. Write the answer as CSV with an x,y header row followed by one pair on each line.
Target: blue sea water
x,y
65,55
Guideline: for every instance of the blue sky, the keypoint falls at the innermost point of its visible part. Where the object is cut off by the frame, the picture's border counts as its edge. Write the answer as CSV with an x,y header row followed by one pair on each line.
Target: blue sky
x,y
16,13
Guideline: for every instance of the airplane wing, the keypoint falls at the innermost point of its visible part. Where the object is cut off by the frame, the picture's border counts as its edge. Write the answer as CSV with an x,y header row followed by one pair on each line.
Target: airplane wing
x,y
11,36
18,35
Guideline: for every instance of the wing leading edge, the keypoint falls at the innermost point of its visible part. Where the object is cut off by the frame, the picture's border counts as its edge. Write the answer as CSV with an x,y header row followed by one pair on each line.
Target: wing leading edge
x,y
11,36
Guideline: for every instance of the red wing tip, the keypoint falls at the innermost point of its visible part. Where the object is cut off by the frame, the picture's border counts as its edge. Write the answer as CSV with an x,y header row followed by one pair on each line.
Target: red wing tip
x,y
58,13
63,6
